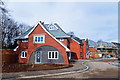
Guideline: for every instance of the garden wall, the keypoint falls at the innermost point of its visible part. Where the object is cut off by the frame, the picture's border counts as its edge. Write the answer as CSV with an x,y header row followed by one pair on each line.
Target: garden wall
x,y
8,56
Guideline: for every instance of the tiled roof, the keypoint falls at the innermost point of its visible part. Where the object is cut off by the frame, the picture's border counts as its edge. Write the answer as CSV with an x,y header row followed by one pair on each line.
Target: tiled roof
x,y
78,40
97,44
92,43
59,33
106,44
24,34
116,44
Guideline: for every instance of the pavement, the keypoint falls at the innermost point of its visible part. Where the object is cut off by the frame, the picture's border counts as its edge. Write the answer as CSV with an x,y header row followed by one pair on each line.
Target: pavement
x,y
78,66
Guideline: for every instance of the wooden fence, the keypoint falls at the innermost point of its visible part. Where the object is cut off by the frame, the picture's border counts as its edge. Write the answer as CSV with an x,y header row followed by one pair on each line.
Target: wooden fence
x,y
8,56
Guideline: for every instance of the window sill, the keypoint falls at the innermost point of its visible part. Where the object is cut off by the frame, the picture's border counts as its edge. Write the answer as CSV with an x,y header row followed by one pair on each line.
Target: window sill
x,y
39,42
23,57
52,58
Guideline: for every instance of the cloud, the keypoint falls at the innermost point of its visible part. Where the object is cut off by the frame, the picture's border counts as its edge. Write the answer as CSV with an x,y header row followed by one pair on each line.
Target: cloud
x,y
87,20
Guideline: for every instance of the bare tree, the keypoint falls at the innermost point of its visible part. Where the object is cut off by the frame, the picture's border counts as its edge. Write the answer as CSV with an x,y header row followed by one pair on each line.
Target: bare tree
x,y
23,28
10,28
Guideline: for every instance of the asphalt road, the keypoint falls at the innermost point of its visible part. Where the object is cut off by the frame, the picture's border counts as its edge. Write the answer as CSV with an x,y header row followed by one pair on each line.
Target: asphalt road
x,y
97,70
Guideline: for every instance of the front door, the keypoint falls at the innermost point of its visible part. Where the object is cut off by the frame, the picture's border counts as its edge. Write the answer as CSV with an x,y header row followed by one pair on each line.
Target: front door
x,y
37,57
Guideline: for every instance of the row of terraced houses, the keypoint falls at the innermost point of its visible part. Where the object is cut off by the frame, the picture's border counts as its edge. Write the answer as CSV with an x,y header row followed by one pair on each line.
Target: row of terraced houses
x,y
48,43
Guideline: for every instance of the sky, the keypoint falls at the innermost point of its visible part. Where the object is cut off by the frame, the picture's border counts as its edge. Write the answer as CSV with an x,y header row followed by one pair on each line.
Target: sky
x,y
92,20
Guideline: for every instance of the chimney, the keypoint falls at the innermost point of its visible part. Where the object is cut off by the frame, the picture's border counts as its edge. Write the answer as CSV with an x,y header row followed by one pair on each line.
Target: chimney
x,y
42,23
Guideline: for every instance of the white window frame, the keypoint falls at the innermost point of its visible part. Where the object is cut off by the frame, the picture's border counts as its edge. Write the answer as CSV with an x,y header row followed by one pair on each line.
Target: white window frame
x,y
61,39
52,27
24,54
40,38
24,40
54,54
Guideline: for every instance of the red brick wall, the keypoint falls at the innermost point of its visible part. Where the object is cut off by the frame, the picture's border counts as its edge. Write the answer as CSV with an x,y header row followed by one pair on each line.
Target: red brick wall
x,y
8,56
7,51
64,42
84,49
75,47
92,49
23,46
48,41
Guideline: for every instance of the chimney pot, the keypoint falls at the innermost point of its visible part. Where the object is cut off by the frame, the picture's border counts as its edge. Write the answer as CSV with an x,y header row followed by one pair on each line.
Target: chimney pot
x,y
42,23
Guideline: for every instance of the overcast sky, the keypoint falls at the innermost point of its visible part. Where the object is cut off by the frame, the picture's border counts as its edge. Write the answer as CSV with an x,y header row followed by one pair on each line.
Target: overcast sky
x,y
93,20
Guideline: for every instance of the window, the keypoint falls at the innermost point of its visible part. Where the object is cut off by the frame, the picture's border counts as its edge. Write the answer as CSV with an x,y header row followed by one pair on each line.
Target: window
x,y
25,40
23,54
61,39
52,27
81,54
49,54
80,46
53,54
39,39
56,54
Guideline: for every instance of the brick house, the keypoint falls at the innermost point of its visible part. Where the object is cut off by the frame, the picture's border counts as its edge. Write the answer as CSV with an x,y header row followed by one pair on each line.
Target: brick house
x,y
44,43
76,47
86,51
48,43
93,52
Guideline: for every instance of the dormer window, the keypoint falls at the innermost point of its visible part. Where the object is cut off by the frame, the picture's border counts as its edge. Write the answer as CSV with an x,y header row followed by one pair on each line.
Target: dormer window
x,y
52,27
